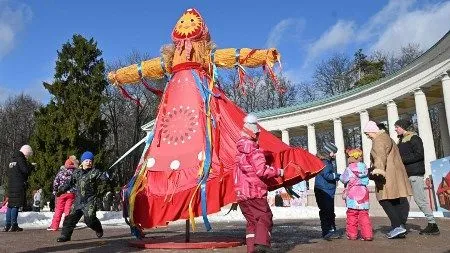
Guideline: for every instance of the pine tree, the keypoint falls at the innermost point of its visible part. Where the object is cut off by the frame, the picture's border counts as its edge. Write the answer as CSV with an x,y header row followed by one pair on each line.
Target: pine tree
x,y
367,70
71,123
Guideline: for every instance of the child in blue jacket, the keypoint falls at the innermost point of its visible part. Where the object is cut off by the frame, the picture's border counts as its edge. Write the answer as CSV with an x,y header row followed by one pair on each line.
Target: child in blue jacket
x,y
324,190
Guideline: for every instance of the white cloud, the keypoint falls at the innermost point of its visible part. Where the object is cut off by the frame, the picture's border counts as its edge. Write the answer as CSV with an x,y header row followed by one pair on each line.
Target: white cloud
x,y
12,19
340,34
424,27
389,13
286,25
397,24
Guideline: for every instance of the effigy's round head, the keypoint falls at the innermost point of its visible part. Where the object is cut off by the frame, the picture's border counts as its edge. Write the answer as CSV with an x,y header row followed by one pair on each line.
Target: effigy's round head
x,y
190,26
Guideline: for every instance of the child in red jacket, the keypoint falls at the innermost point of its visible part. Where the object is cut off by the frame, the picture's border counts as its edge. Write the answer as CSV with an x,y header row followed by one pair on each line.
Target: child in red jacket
x,y
251,191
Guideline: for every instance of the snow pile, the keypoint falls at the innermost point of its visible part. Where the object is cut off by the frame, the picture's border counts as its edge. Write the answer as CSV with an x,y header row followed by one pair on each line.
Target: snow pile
x,y
43,219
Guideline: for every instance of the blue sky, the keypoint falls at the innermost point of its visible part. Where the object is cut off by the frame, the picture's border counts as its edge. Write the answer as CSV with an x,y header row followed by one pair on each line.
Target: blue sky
x,y
305,32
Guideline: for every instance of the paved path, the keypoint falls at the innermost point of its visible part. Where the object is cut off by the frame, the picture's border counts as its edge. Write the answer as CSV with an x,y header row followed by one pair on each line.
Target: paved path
x,y
288,236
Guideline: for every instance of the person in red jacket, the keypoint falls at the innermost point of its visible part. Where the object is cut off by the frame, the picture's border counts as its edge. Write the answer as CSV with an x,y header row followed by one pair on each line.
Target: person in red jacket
x,y
251,191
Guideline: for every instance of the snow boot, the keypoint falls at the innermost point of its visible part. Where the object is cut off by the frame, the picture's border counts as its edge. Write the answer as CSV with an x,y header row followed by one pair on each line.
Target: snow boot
x,y
63,239
259,248
7,228
431,229
16,228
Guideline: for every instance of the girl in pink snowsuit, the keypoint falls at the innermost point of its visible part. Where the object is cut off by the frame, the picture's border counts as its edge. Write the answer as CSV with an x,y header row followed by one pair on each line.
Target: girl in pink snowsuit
x,y
251,191
64,201
356,195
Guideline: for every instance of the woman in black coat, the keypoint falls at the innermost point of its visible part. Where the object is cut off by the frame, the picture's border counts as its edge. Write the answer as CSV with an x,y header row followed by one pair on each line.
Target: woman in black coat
x,y
18,172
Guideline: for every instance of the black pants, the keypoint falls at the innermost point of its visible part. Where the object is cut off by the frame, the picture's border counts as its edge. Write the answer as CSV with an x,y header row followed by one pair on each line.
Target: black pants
x,y
397,210
326,210
72,219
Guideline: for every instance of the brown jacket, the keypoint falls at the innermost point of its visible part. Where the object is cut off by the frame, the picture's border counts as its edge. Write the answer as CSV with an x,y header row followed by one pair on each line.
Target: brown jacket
x,y
388,171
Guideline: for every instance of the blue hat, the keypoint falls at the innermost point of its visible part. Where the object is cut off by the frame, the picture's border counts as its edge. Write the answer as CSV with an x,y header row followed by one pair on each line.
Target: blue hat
x,y
87,156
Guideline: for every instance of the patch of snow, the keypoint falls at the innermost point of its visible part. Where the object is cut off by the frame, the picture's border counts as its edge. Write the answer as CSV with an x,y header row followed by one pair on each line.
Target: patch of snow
x,y
41,220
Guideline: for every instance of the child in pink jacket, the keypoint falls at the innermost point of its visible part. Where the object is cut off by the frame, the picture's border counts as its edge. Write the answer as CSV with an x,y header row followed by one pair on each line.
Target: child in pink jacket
x,y
356,195
64,201
251,191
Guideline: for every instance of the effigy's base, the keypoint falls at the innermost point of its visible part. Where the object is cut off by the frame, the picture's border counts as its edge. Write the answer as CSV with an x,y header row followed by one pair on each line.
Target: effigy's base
x,y
197,243
178,242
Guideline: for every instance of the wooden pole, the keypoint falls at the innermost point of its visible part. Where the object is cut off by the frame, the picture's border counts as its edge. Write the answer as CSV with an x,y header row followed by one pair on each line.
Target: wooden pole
x,y
188,235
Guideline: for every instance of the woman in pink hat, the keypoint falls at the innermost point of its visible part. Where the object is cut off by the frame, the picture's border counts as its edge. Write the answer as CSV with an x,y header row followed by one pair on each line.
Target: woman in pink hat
x,y
391,180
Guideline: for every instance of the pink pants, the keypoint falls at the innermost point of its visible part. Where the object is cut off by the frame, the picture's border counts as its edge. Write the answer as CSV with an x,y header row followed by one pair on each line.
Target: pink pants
x,y
259,222
63,205
359,218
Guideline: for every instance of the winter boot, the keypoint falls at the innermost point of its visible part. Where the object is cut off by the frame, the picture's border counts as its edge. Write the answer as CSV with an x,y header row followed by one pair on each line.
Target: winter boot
x,y
99,234
16,228
259,248
63,239
332,234
6,228
431,229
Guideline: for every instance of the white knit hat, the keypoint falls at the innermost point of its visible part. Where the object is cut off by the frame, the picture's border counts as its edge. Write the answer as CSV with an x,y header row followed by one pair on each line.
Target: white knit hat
x,y
251,118
250,123
26,150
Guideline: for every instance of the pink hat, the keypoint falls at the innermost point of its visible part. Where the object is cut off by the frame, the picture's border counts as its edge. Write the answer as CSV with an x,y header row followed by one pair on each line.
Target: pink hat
x,y
371,127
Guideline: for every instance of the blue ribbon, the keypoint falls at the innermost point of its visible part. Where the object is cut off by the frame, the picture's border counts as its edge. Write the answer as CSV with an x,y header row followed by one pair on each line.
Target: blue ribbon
x,y
205,93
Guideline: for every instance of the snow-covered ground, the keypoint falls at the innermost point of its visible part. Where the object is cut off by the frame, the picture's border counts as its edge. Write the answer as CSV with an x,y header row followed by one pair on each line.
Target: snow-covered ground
x,y
41,220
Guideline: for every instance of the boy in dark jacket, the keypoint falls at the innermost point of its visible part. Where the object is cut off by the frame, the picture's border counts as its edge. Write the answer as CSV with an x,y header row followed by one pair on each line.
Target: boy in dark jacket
x,y
18,172
411,150
324,190
86,181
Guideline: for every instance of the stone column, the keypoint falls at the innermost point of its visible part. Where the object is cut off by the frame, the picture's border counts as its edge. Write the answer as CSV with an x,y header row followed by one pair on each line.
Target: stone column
x,y
392,118
446,91
339,141
365,141
285,136
425,131
312,143
443,127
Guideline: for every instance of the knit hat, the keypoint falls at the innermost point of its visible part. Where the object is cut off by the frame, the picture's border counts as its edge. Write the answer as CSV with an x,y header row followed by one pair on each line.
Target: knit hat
x,y
26,150
250,123
403,123
87,156
330,147
69,164
371,127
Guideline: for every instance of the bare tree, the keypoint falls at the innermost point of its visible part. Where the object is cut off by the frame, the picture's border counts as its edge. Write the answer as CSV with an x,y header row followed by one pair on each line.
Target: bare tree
x,y
307,92
17,117
393,62
125,117
334,76
260,93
